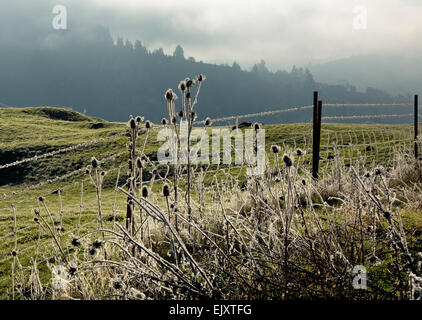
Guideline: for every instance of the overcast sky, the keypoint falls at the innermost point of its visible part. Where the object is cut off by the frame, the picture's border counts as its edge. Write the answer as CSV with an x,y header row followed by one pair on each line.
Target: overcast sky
x,y
282,33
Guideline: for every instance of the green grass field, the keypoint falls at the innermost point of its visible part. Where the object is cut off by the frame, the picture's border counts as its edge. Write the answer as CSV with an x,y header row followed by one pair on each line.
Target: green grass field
x,y
28,132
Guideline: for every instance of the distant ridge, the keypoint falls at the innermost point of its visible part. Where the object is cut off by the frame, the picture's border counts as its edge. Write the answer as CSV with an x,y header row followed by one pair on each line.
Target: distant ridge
x,y
3,105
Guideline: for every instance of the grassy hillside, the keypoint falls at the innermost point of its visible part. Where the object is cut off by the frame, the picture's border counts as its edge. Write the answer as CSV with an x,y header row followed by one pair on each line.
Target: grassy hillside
x,y
28,132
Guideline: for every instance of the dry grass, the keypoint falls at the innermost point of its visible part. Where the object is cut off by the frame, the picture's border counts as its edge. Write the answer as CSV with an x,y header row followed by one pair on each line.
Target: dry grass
x,y
280,235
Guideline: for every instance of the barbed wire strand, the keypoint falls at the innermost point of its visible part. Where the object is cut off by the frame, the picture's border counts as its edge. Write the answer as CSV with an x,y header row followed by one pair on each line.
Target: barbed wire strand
x,y
63,150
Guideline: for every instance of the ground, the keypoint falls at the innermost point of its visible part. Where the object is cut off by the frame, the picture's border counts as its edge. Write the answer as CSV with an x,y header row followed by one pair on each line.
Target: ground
x,y
71,199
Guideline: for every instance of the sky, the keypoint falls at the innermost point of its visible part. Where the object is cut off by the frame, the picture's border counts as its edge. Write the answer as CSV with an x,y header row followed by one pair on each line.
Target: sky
x,y
282,33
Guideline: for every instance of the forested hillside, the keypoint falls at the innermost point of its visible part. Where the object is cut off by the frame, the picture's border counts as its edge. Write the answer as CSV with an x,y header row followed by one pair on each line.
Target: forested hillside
x,y
112,79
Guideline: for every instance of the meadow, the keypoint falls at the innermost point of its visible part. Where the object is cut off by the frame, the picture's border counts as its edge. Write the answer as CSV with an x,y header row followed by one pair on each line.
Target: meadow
x,y
104,220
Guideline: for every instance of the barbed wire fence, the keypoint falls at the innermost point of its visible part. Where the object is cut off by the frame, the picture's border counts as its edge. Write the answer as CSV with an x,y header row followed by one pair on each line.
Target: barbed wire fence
x,y
370,144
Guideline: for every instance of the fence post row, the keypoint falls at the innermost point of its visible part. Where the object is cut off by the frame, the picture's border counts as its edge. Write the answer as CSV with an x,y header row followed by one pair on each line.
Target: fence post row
x,y
316,135
416,126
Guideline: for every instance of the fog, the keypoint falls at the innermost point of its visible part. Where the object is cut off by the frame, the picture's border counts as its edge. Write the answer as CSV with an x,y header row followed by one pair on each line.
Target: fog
x,y
282,33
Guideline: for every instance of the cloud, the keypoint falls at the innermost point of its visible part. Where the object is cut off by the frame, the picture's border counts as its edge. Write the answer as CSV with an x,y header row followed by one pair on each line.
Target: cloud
x,y
282,33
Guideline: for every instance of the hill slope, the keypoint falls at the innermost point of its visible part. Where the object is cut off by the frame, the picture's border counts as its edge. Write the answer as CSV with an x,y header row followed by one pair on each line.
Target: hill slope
x,y
111,80
30,132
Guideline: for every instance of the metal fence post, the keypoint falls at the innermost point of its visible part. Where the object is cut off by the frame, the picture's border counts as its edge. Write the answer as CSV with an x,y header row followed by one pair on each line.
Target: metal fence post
x,y
315,141
416,126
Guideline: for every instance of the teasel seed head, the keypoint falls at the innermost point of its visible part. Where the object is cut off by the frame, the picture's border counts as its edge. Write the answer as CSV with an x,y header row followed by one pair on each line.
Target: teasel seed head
x,y
188,95
75,242
189,83
36,212
207,122
92,252
117,285
14,253
287,160
132,123
166,190
300,152
139,119
276,149
148,125
145,192
181,113
182,86
139,163
103,173
129,209
170,95
193,115
72,271
173,120
378,171
41,199
94,162
201,77
256,126
164,121
97,244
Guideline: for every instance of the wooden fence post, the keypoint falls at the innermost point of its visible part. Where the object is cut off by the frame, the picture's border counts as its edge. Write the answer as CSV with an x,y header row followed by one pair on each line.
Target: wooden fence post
x,y
416,126
315,141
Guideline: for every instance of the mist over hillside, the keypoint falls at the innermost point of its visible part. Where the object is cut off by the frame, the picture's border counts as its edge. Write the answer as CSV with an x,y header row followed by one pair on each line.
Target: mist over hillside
x,y
101,77
395,74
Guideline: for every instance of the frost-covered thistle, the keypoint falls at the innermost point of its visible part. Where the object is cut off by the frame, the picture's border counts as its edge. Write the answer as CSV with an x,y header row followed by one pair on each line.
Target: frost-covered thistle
x,y
94,162
379,171
139,163
182,86
170,95
201,77
97,244
193,116
144,192
189,83
166,190
75,242
275,149
72,271
288,160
